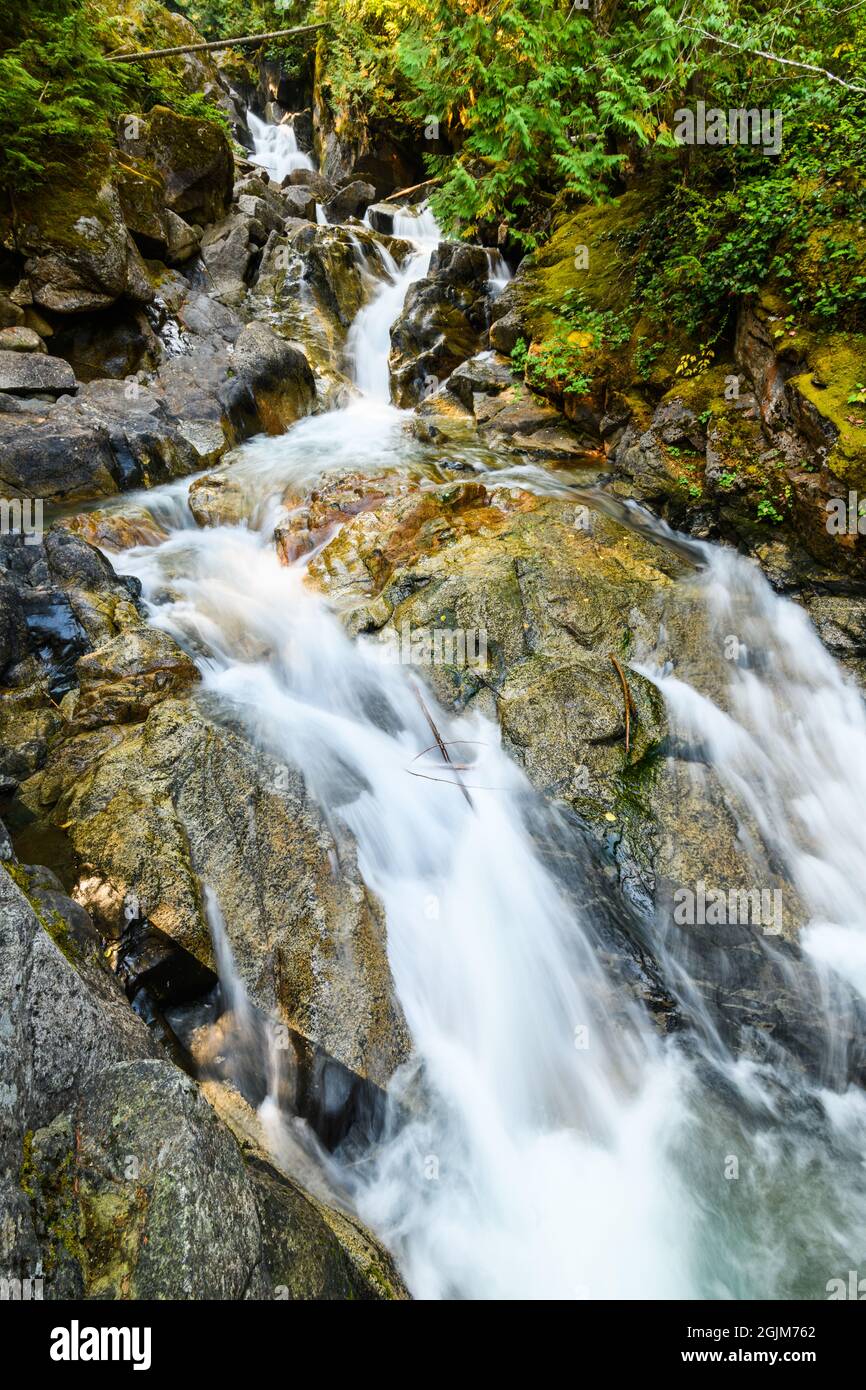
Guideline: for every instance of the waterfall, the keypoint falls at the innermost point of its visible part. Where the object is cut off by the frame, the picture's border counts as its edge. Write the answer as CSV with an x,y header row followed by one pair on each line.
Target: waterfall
x,y
417,224
537,1148
499,272
276,148
369,341
787,739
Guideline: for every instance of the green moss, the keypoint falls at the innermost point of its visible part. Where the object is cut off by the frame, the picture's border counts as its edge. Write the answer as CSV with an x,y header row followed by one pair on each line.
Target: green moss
x,y
838,361
52,1191
62,213
51,922
703,392
604,281
27,1172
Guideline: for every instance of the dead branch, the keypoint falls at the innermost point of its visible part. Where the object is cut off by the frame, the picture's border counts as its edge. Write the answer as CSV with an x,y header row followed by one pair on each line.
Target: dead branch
x,y
774,58
404,192
440,744
215,44
629,702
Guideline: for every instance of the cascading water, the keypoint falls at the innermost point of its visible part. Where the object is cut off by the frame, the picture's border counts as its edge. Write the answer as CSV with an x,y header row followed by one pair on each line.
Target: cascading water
x,y
536,1148
789,744
276,148
369,341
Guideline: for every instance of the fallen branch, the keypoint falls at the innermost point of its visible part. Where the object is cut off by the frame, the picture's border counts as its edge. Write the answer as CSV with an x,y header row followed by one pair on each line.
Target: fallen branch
x,y
774,58
404,192
629,702
440,744
215,44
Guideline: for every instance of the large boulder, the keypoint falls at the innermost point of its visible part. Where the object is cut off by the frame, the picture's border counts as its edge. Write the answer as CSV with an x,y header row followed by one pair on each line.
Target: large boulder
x,y
278,375
352,200
118,1179
192,156
31,373
300,201
321,188
158,231
79,253
318,278
20,339
227,249
43,458
145,807
115,435
65,1018
444,321
566,599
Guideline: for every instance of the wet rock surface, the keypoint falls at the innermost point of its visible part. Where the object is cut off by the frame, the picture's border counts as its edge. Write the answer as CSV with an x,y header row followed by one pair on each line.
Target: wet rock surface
x,y
444,321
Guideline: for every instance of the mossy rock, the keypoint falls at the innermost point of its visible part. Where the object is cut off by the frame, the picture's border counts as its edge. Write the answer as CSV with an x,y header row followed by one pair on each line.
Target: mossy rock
x,y
192,156
80,256
838,362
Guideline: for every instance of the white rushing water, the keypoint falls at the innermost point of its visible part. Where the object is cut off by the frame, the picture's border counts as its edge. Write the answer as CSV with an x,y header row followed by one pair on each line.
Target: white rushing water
x,y
276,148
789,744
537,1148
369,341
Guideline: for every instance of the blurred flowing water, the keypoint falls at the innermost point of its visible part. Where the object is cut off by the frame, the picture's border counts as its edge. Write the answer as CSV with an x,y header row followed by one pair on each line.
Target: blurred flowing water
x,y
536,1146
276,148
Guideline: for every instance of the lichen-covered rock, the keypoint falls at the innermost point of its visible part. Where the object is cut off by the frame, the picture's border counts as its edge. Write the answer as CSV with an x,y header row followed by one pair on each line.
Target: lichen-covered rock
x,y
192,156
217,499
122,680
64,1019
443,322
57,599
80,255
145,808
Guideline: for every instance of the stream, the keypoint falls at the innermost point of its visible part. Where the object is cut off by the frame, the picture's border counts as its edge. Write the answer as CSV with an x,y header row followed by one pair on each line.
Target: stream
x,y
534,1147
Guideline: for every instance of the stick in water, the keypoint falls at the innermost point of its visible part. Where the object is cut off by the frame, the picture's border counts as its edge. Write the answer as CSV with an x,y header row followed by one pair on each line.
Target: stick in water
x,y
439,743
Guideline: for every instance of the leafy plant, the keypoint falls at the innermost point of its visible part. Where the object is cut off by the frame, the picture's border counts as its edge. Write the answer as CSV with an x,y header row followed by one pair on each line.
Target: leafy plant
x,y
768,512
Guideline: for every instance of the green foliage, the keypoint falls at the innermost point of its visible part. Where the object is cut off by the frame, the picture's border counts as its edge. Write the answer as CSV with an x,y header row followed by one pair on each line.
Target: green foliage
x,y
556,367
59,94
766,511
645,355
606,327
57,90
518,356
519,107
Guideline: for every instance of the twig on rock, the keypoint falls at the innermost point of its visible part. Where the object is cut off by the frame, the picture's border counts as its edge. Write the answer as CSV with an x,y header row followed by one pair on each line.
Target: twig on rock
x,y
440,744
629,702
